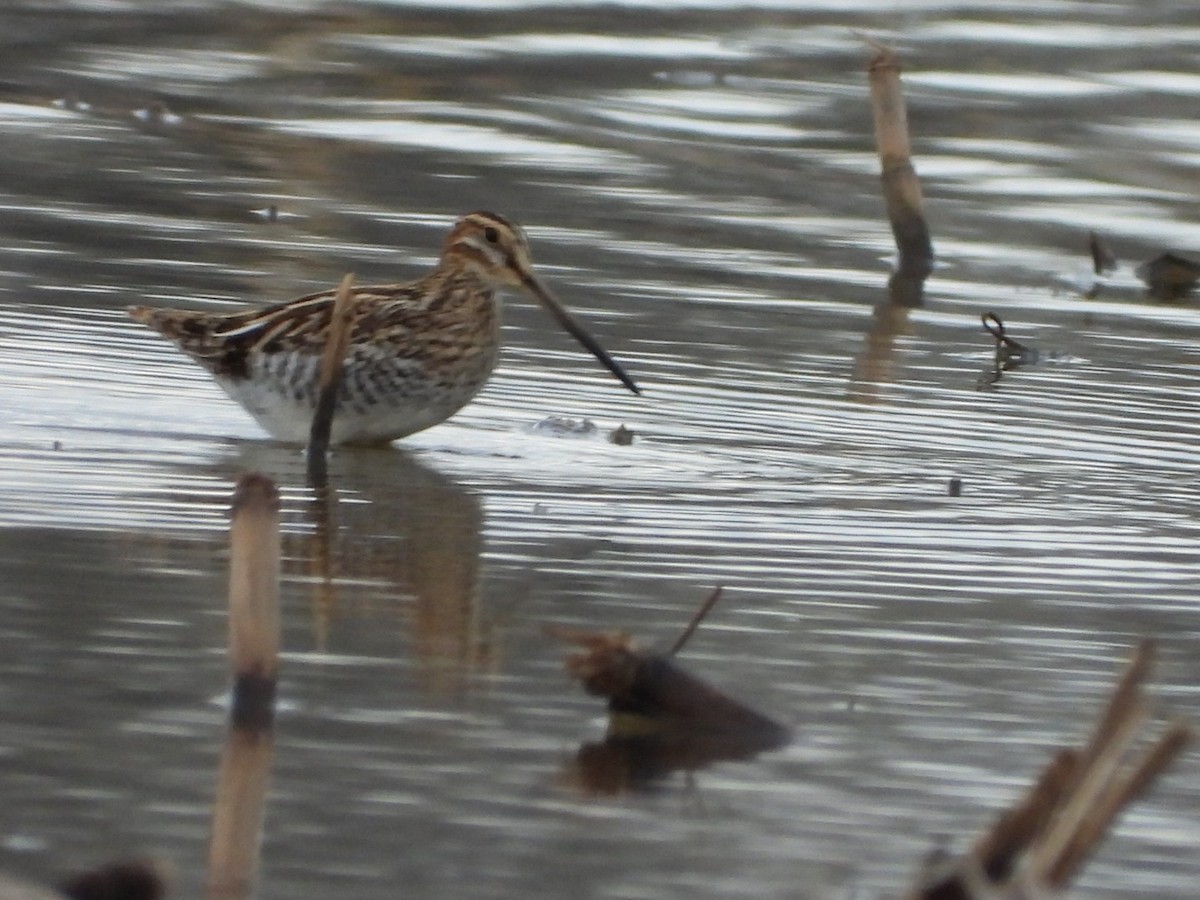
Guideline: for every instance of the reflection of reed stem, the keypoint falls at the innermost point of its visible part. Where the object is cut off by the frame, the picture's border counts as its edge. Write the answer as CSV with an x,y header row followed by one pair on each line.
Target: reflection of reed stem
x,y
901,187
238,810
320,560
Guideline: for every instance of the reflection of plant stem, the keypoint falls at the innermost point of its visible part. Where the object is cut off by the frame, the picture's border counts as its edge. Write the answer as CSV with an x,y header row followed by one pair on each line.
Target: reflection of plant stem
x,y
320,557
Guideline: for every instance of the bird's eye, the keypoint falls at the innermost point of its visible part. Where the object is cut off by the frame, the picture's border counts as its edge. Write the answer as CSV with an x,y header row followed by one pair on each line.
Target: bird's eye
x,y
491,234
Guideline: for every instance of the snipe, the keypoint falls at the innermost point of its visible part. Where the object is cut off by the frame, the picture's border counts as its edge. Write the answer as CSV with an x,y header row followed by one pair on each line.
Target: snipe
x,y
418,351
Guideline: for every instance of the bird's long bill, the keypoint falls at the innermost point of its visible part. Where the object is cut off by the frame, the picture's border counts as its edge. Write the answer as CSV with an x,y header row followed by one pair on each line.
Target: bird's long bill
x,y
577,331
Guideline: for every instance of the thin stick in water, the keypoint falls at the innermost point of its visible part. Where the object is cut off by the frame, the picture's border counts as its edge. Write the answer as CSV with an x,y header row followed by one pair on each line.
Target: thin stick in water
x,y
332,361
696,620
901,187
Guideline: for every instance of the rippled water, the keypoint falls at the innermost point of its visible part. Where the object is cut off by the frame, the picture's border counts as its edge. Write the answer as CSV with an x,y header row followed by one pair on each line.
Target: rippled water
x,y
698,180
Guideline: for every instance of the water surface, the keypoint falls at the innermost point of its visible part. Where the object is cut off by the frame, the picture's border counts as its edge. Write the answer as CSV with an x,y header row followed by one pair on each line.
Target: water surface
x,y
698,181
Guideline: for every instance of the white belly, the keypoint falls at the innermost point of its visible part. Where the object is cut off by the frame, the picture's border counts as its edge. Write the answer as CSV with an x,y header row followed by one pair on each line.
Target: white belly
x,y
376,403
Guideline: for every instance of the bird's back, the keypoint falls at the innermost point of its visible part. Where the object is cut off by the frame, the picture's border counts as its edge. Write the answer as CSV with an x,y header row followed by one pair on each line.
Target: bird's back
x,y
417,353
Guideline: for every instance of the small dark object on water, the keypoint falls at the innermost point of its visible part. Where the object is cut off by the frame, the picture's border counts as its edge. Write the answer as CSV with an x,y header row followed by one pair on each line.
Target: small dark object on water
x,y
621,436
57,445
1169,276
658,692
1103,259
1010,353
955,487
1007,348
661,718
126,880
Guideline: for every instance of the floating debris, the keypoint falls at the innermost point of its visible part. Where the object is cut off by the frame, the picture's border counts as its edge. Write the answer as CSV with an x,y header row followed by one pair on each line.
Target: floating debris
x,y
955,487
1103,259
652,686
1169,276
1010,353
1042,841
621,436
1008,349
661,718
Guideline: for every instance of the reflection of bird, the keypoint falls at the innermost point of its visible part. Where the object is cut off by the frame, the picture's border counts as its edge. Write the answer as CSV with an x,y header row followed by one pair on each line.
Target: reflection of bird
x,y
418,351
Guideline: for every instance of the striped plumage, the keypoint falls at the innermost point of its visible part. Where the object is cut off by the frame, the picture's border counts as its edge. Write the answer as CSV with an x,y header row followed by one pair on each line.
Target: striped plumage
x,y
418,352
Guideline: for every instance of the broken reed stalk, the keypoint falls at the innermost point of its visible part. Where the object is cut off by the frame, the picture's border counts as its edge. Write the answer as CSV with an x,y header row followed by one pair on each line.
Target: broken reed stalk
x,y
1043,841
332,361
254,598
1120,793
999,848
699,617
901,187
1107,781
1079,805
1122,703
1114,733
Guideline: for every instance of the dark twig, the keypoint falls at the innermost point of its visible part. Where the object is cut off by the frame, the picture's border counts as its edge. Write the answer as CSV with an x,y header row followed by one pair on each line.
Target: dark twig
x,y
332,361
699,616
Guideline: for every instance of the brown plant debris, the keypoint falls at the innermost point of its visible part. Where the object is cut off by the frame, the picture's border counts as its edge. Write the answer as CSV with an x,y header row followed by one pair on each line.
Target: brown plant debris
x,y
655,689
901,187
1043,840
